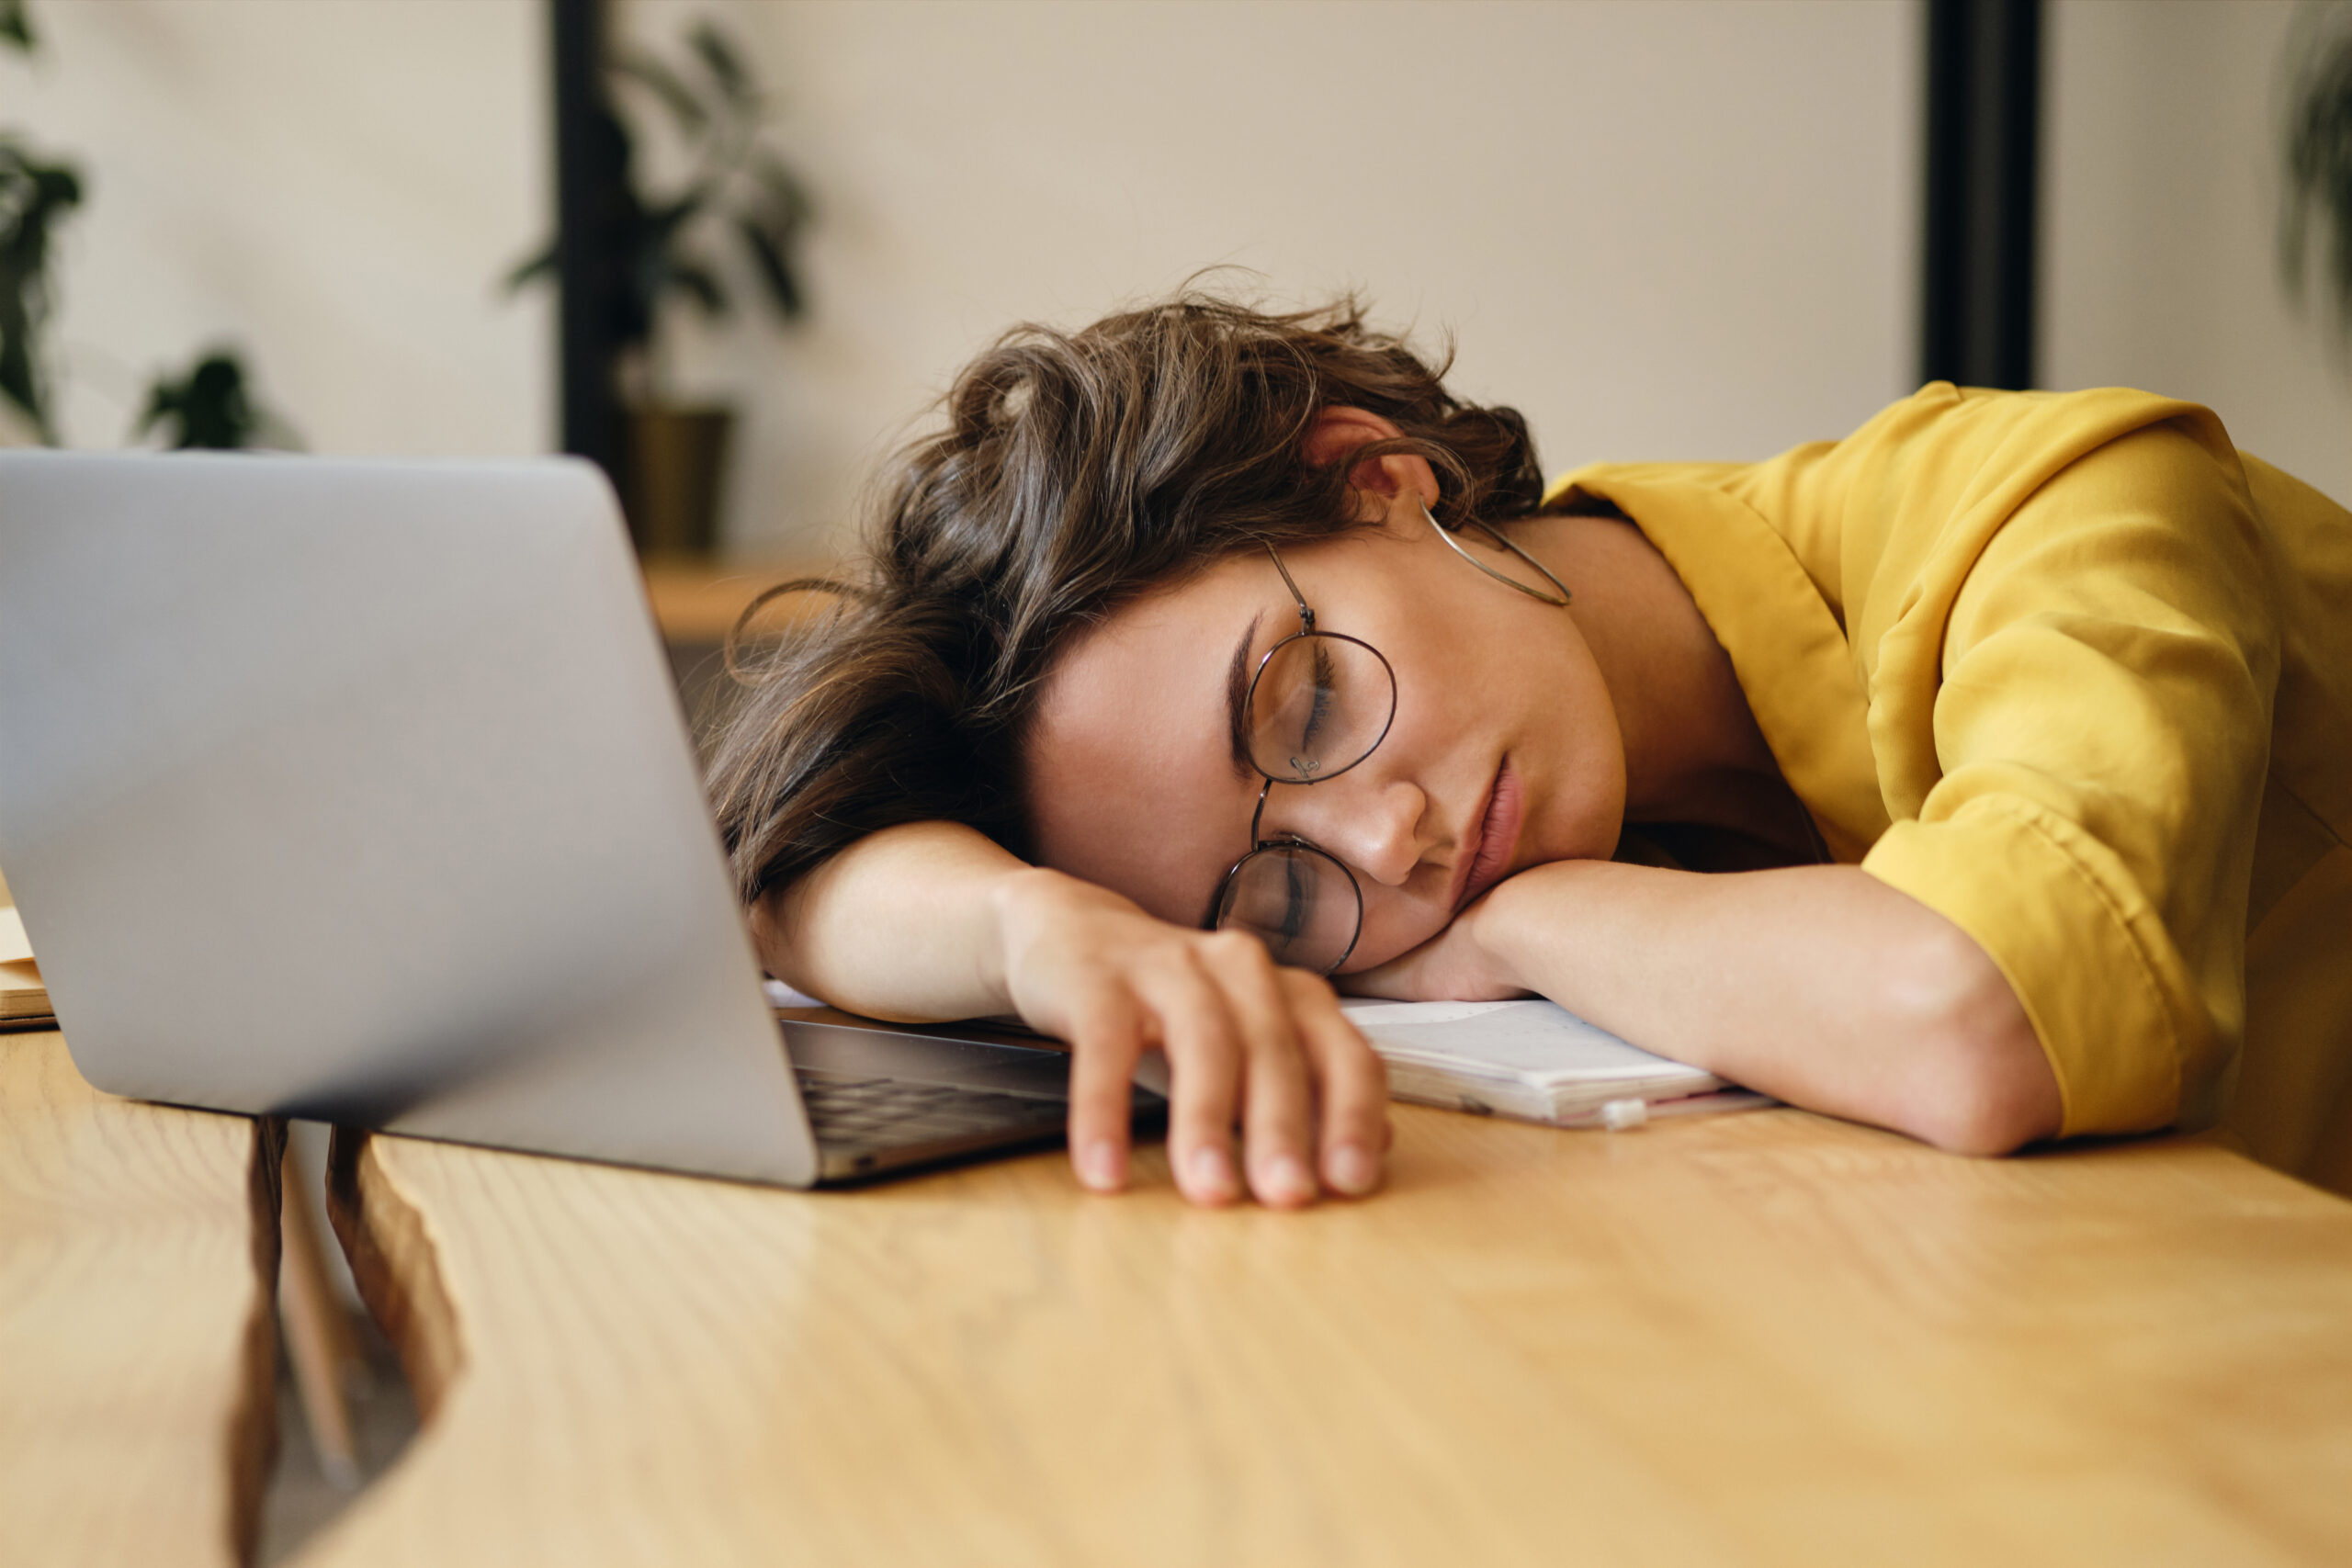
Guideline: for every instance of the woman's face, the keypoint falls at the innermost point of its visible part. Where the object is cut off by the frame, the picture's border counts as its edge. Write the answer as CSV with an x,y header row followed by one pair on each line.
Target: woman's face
x,y
1504,751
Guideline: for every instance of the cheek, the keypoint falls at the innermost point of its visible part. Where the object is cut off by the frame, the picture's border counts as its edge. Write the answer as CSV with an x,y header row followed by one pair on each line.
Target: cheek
x,y
1392,926
1154,849
1585,810
1572,756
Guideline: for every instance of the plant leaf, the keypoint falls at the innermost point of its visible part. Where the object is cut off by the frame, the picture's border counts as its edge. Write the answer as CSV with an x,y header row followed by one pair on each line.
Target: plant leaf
x,y
661,223
530,271
783,189
648,72
17,27
20,384
34,194
2317,156
724,62
690,278
163,402
773,269
211,407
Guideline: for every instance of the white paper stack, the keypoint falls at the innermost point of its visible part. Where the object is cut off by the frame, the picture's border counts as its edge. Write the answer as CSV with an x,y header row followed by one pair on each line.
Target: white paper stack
x,y
1535,1060
23,999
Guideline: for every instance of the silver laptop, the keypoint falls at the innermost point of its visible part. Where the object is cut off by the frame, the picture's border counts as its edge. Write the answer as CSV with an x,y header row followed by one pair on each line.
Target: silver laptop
x,y
359,791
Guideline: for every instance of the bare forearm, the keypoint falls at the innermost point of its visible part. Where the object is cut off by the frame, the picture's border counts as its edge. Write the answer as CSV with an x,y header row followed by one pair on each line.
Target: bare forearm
x,y
1820,985
902,925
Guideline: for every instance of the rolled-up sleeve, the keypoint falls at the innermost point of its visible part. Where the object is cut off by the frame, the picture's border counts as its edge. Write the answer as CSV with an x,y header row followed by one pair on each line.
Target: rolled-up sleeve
x,y
2097,685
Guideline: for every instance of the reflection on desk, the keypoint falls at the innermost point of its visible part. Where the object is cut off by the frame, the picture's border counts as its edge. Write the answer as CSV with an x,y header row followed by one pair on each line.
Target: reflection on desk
x,y
138,1275
1769,1339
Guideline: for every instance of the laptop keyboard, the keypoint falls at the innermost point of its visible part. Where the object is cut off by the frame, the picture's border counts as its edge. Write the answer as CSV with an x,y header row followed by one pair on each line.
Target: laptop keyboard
x,y
852,1112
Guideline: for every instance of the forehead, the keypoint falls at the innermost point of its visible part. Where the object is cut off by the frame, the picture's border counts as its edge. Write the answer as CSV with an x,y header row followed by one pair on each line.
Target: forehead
x,y
1131,780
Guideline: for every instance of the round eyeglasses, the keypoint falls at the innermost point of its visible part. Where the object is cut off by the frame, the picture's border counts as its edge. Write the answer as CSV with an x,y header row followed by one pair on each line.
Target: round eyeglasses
x,y
1318,703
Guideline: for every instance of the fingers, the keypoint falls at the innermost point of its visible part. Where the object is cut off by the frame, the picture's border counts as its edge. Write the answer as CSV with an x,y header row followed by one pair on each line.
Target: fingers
x,y
1278,1094
1106,1041
1204,1070
1244,1039
1354,1133
1314,1095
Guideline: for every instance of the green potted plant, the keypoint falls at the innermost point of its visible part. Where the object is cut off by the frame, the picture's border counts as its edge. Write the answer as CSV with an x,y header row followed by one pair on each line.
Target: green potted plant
x,y
211,407
2318,158
37,193
737,191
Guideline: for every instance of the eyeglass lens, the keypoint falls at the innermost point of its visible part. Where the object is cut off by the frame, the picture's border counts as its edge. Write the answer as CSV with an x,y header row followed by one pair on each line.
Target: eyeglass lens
x,y
1318,706
1297,900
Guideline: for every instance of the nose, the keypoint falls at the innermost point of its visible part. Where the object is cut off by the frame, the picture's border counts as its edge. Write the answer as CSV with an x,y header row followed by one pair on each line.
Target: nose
x,y
1377,824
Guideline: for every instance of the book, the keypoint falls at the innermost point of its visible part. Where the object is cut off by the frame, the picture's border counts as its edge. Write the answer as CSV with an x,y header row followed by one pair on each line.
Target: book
x,y
23,999
1533,1060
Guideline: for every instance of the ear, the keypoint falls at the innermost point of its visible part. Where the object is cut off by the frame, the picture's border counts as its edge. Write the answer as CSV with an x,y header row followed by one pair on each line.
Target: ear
x,y
1387,482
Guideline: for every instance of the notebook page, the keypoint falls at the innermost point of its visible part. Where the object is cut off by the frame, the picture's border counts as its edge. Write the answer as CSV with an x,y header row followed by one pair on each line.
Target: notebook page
x,y
1534,1040
21,993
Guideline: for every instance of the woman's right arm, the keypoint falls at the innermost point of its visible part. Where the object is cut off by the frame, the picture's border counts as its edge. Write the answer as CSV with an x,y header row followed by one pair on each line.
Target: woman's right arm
x,y
932,920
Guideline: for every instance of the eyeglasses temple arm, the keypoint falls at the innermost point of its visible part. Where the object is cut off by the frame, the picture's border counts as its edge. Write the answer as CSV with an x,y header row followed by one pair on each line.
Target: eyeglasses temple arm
x,y
1305,615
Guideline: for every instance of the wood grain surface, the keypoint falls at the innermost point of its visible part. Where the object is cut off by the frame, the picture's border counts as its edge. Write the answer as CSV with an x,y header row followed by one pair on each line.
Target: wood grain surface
x,y
1761,1338
138,1272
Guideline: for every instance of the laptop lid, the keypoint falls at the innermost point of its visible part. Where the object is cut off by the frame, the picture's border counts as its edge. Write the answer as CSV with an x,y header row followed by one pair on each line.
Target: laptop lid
x,y
359,791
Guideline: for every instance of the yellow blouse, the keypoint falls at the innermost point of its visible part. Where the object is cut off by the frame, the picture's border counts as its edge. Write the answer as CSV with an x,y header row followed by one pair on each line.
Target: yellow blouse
x,y
2077,673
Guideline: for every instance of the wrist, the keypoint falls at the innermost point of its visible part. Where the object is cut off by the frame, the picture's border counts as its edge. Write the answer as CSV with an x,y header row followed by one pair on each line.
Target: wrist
x,y
1012,905
1024,904
1522,919
1478,942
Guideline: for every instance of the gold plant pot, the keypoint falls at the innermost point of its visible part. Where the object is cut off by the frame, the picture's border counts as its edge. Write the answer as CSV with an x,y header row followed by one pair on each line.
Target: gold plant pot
x,y
676,460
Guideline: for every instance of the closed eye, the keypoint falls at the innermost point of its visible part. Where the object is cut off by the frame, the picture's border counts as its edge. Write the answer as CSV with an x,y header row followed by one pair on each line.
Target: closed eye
x,y
1295,878
1320,706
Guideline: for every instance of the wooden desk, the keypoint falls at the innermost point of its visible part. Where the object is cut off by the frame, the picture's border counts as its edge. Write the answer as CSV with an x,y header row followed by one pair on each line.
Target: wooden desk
x,y
138,1283
1759,1340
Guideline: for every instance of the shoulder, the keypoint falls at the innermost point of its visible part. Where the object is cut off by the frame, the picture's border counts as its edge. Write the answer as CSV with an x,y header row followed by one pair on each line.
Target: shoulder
x,y
1941,436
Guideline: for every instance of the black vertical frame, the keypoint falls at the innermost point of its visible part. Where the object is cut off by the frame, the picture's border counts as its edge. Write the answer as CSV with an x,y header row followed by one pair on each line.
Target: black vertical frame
x,y
587,163
1983,190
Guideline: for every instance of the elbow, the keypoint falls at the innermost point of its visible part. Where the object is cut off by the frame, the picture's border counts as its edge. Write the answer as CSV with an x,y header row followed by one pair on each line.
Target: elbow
x,y
1986,1112
1980,1082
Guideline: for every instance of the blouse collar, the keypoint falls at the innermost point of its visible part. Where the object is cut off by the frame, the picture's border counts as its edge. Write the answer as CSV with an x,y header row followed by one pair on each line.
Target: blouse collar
x,y
1786,645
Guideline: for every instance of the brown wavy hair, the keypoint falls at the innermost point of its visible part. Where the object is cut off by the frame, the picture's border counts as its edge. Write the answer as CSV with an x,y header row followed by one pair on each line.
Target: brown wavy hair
x,y
1077,472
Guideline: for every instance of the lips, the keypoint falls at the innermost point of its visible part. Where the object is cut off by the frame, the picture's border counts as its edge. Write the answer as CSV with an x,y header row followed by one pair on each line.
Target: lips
x,y
1489,853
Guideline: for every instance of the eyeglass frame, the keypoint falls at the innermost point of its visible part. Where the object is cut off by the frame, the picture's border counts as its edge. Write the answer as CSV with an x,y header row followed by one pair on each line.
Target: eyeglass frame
x,y
1306,628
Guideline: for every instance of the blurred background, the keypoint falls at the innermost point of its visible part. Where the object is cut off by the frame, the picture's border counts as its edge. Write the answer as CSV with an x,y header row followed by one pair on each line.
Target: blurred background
x,y
1662,230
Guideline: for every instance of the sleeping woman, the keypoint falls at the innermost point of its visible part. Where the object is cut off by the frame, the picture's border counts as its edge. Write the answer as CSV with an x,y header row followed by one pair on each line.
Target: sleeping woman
x,y
1985,776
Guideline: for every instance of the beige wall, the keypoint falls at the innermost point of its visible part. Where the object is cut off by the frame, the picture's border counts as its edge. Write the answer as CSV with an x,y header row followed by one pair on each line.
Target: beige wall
x,y
2159,268
1661,230
334,184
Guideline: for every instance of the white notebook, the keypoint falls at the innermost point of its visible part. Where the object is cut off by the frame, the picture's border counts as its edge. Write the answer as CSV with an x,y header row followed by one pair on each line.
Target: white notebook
x,y
1533,1060
23,999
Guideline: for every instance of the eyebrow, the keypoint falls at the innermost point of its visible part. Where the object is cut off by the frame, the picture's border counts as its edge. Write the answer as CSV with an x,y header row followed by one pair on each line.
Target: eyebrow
x,y
1237,697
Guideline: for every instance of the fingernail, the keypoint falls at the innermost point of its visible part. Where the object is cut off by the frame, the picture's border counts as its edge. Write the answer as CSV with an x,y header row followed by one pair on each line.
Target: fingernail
x,y
1212,1170
1354,1170
1098,1166
1287,1180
